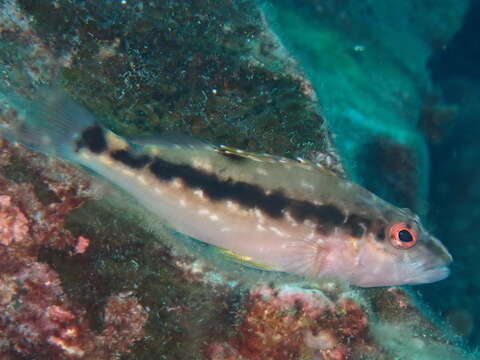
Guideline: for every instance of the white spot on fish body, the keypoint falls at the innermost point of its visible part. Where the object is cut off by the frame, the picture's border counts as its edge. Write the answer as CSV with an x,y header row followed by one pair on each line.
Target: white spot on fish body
x,y
231,205
127,172
277,231
225,229
182,203
259,215
203,212
201,164
106,160
214,217
199,193
154,150
83,154
290,219
260,227
142,179
158,190
309,223
306,185
261,171
176,183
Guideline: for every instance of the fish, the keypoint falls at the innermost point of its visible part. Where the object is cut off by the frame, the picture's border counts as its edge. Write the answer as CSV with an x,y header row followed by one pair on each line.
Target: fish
x,y
274,213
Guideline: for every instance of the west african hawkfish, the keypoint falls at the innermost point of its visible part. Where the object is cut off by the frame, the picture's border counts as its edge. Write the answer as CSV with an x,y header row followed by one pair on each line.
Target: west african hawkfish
x,y
279,214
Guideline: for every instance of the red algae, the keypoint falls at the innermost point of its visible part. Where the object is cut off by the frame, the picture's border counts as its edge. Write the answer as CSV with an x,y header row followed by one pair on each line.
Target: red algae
x,y
292,323
37,318
13,223
82,244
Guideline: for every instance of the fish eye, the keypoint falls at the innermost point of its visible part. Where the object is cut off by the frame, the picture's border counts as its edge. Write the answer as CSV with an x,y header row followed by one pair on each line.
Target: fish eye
x,y
403,236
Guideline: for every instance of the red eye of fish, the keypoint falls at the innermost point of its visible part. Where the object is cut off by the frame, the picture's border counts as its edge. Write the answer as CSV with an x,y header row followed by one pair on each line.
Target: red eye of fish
x,y
403,236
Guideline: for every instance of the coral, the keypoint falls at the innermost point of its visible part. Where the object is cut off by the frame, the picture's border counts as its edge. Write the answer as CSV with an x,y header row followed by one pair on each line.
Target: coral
x,y
36,316
13,223
293,322
290,323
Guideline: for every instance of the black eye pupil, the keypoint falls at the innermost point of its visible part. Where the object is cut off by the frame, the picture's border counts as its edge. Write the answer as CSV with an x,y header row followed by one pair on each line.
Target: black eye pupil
x,y
405,236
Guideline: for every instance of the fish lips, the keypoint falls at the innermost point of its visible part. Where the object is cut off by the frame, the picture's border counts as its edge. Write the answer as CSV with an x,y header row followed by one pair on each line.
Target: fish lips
x,y
433,273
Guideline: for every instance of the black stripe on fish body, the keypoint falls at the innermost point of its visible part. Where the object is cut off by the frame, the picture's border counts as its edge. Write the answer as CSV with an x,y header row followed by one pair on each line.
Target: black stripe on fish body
x,y
273,204
325,216
381,234
131,160
246,195
93,138
357,225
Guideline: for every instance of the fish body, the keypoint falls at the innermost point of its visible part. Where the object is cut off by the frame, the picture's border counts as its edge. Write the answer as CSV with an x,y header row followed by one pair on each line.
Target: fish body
x,y
280,214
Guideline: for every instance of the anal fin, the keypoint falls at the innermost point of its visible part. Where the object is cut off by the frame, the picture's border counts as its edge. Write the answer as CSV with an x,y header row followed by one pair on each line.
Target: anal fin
x,y
244,260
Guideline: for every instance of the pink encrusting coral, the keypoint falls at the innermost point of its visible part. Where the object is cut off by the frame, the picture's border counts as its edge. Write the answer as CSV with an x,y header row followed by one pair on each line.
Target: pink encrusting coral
x,y
289,323
13,223
37,318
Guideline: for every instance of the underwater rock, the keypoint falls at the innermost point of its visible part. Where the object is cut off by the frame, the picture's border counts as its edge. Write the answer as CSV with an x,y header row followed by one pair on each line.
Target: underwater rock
x,y
293,323
210,68
85,273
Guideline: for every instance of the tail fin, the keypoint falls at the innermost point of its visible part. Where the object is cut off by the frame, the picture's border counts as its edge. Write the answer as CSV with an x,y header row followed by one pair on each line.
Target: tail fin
x,y
51,123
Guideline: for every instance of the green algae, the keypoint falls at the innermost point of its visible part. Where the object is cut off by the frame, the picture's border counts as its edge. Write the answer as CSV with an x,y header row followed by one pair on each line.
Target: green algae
x,y
202,68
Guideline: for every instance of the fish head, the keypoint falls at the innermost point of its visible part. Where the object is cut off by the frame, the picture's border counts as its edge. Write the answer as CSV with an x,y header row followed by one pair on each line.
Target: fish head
x,y
401,252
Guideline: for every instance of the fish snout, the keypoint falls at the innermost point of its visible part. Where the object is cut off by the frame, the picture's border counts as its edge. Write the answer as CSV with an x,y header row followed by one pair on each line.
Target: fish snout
x,y
441,252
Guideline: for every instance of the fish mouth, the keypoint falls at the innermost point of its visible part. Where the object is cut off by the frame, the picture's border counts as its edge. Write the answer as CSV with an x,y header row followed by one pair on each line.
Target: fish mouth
x,y
436,273
432,274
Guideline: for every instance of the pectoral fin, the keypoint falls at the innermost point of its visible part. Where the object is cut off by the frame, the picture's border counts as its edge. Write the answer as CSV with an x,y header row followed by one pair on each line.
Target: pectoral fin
x,y
302,258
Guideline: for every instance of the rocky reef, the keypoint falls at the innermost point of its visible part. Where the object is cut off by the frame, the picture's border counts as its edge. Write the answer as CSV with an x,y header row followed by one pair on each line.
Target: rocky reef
x,y
85,273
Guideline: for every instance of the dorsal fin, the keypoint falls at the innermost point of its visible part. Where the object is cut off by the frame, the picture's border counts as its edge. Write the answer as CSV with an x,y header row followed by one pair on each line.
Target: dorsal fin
x,y
169,139
331,163
322,162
